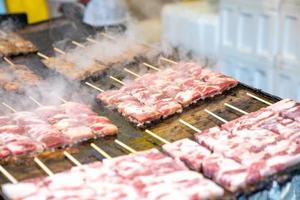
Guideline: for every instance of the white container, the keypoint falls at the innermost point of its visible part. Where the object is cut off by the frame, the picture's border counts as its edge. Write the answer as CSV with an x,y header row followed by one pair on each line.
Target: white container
x,y
193,27
250,27
287,84
289,40
258,73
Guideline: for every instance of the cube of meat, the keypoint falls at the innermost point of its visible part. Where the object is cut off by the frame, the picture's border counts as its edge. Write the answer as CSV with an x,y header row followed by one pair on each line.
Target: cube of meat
x,y
188,97
46,112
114,97
21,147
292,113
212,138
188,151
14,129
138,113
78,133
5,120
24,190
150,162
283,105
225,172
104,129
179,185
4,152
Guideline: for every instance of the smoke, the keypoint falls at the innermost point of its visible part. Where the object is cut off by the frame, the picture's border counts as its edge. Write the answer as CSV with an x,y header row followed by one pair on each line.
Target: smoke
x,y
115,48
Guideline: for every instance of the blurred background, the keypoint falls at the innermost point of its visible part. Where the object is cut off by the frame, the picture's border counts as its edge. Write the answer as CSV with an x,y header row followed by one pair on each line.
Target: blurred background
x,y
255,41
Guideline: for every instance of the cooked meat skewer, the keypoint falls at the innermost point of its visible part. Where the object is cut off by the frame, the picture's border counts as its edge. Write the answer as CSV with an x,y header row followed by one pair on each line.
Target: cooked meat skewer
x,y
67,155
93,145
36,159
13,44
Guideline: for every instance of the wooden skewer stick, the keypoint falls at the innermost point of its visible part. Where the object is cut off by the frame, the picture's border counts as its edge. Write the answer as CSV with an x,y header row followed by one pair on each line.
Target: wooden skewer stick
x,y
108,36
151,66
100,151
8,175
8,61
43,166
236,109
259,99
59,51
72,159
128,148
92,40
132,73
35,101
216,116
95,87
117,80
78,44
9,107
63,100
189,125
168,60
157,137
68,155
43,56
36,159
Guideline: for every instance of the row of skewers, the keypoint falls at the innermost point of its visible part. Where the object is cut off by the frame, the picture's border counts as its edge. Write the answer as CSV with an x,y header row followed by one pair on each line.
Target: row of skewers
x,y
162,140
121,144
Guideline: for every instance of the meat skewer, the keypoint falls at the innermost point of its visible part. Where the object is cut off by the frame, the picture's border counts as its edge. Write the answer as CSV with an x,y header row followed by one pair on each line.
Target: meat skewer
x,y
8,175
36,159
82,46
67,155
93,145
259,99
180,120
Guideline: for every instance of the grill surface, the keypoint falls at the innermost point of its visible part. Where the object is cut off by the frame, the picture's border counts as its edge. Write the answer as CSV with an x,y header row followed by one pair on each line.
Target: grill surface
x,y
43,35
